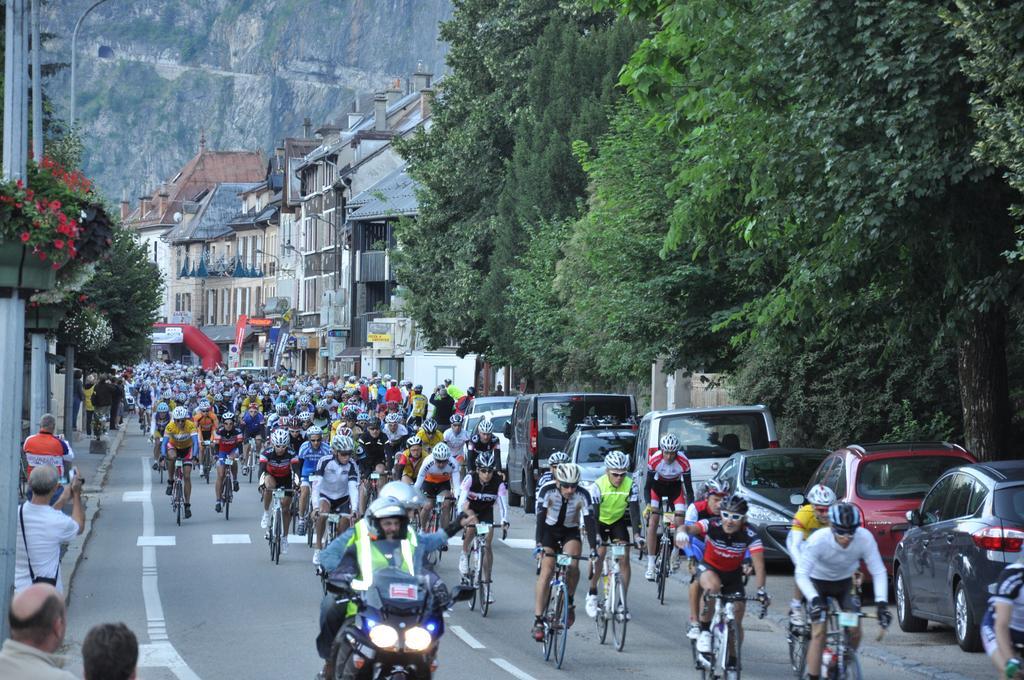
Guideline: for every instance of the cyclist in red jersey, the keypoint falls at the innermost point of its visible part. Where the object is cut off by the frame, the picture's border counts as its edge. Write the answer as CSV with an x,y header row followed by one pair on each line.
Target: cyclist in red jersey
x,y
668,476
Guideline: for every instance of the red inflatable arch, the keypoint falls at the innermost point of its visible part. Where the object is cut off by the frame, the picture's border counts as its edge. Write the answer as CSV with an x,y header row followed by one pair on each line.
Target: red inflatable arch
x,y
198,342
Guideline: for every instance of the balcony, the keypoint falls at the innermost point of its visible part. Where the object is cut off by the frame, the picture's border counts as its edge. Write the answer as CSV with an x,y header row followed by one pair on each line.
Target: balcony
x,y
372,267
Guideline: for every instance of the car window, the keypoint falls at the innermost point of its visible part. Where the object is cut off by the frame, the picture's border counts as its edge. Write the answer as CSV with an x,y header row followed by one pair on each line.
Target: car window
x,y
499,423
555,418
1008,503
905,477
836,478
729,473
594,449
641,441
978,496
716,435
822,474
781,471
935,501
958,497
472,422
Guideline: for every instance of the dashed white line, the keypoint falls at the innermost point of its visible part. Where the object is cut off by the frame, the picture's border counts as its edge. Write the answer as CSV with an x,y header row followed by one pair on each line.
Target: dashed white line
x,y
520,543
143,541
221,539
466,637
515,672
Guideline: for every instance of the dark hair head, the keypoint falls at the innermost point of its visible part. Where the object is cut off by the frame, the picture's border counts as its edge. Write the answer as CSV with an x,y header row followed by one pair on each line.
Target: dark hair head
x,y
37,628
110,652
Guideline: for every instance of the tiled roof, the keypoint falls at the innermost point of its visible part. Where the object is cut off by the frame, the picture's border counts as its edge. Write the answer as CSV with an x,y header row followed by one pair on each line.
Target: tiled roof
x,y
391,196
204,170
215,212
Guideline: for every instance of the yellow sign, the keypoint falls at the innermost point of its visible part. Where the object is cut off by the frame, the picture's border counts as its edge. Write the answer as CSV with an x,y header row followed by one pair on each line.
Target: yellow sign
x,y
378,337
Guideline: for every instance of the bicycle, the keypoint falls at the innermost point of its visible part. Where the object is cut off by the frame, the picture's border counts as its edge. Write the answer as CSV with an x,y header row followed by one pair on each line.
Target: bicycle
x,y
275,533
663,561
161,467
206,462
611,607
178,490
144,416
478,557
839,659
724,634
310,514
252,458
556,610
434,523
227,489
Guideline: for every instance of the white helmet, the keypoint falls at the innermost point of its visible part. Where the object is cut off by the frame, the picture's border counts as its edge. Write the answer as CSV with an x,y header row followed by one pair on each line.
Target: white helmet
x,y
441,452
315,431
179,413
669,443
616,460
568,473
821,495
485,426
343,442
280,438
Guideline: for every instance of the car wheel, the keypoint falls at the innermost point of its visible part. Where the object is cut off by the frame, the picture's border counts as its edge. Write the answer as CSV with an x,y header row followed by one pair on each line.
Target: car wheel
x,y
529,499
908,622
965,624
514,499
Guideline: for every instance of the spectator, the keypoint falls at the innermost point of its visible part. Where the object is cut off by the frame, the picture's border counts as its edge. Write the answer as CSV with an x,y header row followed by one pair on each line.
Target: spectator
x,y
465,402
110,652
43,448
42,530
88,390
444,405
38,621
116,403
499,391
102,400
79,398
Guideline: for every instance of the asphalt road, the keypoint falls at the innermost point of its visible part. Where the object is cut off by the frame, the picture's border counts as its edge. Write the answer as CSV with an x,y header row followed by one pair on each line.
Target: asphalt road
x,y
205,602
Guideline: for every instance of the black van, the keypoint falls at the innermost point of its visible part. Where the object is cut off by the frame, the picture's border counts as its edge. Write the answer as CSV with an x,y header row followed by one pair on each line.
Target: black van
x,y
541,424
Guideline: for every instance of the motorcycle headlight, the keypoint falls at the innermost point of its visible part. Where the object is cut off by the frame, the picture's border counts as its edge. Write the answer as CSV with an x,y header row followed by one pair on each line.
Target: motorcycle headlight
x,y
760,513
384,637
418,639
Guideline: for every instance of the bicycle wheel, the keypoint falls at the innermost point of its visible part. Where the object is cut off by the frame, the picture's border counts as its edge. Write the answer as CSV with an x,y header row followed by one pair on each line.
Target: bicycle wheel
x,y
563,634
474,575
207,463
485,597
160,470
605,607
852,667
309,529
179,501
552,615
797,650
278,535
227,491
618,614
250,465
664,559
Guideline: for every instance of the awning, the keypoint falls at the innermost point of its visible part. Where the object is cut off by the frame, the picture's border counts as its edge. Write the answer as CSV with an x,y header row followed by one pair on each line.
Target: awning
x,y
224,335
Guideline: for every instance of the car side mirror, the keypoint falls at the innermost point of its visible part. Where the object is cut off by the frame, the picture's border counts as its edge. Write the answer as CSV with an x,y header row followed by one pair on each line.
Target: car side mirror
x,y
463,593
796,499
507,430
914,517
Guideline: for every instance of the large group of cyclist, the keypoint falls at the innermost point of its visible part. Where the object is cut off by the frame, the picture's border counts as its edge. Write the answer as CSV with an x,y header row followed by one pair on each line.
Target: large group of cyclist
x,y
343,461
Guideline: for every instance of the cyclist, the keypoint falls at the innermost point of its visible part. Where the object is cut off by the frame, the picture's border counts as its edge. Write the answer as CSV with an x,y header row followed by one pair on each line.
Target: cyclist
x,y
145,399
727,541
438,474
809,518
296,433
407,468
372,449
483,441
418,404
252,397
206,421
429,435
253,426
668,476
396,434
161,417
228,443
339,489
825,570
708,508
279,414
311,452
554,460
456,438
278,465
1002,627
183,436
562,510
613,495
479,492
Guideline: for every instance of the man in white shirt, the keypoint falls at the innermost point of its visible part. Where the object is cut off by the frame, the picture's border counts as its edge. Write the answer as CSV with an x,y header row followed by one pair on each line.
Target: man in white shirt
x,y
42,530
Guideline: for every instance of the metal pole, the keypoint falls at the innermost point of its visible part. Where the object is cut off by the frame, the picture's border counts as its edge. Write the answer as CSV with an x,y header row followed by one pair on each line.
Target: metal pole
x,y
37,87
39,401
74,60
24,92
69,392
12,339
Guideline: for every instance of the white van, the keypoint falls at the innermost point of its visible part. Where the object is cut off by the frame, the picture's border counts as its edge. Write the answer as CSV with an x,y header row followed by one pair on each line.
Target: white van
x,y
708,435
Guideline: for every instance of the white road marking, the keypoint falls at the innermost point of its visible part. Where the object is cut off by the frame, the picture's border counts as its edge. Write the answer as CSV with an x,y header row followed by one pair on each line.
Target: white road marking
x,y
159,652
520,543
155,541
133,497
455,540
292,538
466,637
515,672
220,539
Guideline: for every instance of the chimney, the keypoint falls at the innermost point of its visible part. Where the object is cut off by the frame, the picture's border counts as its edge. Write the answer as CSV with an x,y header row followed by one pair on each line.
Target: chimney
x,y
426,103
161,199
143,206
124,204
307,127
202,140
394,93
421,79
279,159
329,132
380,112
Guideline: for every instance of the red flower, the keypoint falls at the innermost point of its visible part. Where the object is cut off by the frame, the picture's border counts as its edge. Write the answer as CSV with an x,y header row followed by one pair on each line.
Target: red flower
x,y
42,255
29,194
58,243
25,237
20,184
83,298
54,206
55,265
17,205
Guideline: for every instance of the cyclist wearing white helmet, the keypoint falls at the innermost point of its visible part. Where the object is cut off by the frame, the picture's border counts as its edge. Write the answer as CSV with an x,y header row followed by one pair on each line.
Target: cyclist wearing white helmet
x,y
311,452
430,434
617,507
668,476
548,478
715,492
227,442
339,488
809,518
438,475
278,464
480,491
407,467
562,511
183,436
483,441
456,438
206,420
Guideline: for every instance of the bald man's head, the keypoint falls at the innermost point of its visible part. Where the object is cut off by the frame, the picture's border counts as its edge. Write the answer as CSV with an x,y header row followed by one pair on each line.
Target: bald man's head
x,y
37,617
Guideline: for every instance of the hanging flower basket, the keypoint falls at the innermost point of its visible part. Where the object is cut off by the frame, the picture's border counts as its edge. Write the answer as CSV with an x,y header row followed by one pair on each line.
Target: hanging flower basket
x,y
44,317
21,268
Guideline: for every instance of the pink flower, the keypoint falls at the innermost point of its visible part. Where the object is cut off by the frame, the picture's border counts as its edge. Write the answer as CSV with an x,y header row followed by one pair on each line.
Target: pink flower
x,y
58,243
42,255
54,206
55,265
25,237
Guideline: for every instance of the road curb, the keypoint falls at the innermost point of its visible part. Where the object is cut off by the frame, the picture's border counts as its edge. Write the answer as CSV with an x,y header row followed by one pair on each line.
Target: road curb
x,y
93,492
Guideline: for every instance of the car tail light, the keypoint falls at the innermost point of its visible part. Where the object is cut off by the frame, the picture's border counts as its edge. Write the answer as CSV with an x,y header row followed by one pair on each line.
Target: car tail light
x,y
533,437
999,538
774,444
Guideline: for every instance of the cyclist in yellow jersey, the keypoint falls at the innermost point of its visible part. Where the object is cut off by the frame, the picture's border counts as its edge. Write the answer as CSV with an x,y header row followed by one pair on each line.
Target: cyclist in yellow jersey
x,y
183,436
430,435
808,519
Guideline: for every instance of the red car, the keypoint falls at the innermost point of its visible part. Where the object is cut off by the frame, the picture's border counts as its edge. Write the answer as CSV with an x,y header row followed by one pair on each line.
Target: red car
x,y
887,480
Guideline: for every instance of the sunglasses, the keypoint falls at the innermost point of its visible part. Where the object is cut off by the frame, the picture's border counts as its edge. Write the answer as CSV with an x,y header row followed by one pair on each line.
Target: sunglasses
x,y
485,471
821,509
568,486
617,475
844,532
735,516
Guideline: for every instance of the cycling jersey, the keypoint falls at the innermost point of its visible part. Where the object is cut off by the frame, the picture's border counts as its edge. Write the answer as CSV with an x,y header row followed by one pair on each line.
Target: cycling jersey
x,y
612,502
399,434
311,457
228,441
206,422
696,512
456,442
806,521
371,449
1010,590
181,437
160,421
278,464
252,424
419,403
725,551
437,473
482,497
669,479
338,480
410,466
476,445
252,400
559,519
823,559
429,440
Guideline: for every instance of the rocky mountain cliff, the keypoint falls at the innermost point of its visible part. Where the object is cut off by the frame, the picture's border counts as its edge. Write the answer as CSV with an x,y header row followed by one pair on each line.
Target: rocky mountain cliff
x,y
153,75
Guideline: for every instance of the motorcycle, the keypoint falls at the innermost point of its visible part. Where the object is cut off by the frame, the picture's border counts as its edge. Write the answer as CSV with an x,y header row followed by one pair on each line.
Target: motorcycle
x,y
398,628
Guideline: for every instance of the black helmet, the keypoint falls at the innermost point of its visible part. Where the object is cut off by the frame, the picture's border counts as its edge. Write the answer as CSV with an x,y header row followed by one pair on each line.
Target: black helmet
x,y
844,517
471,391
734,503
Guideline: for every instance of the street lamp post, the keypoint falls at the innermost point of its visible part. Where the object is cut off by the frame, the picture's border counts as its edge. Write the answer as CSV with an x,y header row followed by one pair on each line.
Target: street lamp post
x,y
74,58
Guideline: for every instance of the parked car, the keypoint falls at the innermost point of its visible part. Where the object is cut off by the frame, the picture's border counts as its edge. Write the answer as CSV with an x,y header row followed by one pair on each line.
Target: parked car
x,y
542,423
708,436
769,478
887,480
485,404
498,417
590,443
968,528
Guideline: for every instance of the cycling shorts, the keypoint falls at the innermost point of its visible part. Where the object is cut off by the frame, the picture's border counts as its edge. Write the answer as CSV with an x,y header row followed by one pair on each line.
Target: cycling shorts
x,y
367,466
732,581
433,489
988,633
308,468
184,454
841,591
485,514
617,531
341,506
555,538
281,482
672,490
205,436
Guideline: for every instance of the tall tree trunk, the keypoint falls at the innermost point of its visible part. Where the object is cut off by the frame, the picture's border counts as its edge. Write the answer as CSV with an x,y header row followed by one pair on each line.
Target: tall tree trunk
x,y
984,391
